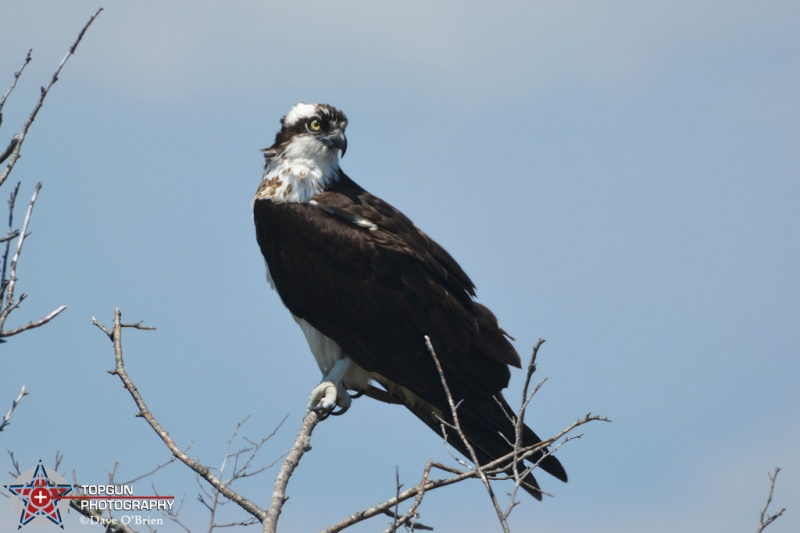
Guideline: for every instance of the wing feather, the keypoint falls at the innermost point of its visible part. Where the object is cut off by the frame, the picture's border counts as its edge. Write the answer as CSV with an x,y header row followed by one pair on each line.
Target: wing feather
x,y
363,274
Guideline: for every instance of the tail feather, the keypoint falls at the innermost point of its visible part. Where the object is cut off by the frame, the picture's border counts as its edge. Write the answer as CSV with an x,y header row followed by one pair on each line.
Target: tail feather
x,y
489,431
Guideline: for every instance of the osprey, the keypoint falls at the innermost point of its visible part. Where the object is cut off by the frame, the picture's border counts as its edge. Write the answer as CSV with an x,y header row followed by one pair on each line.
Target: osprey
x,y
366,286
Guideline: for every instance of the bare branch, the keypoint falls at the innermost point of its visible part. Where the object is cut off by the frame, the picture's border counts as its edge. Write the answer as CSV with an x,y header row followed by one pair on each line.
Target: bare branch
x,y
109,333
14,463
17,74
494,467
7,418
457,426
174,515
33,325
12,201
519,425
411,515
10,303
57,463
766,519
150,473
12,145
246,455
302,444
11,236
202,470
21,136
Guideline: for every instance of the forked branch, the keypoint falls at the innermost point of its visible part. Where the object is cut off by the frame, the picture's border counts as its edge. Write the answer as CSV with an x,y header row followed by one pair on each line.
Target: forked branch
x,y
11,154
115,334
19,139
766,519
268,518
496,469
6,420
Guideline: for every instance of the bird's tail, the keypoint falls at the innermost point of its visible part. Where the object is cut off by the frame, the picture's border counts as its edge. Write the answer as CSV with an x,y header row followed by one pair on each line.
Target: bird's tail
x,y
490,432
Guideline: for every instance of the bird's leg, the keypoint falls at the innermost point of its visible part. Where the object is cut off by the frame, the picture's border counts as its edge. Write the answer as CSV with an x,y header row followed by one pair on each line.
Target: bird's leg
x,y
331,392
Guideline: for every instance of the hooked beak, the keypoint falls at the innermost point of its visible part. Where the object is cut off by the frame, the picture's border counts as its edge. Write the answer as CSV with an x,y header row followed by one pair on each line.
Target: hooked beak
x,y
336,139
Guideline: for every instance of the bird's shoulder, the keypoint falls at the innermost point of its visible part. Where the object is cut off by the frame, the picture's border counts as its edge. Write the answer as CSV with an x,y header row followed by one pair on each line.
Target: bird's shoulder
x,y
387,227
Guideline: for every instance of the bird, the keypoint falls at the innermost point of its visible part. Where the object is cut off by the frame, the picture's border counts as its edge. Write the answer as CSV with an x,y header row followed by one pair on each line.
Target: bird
x,y
366,286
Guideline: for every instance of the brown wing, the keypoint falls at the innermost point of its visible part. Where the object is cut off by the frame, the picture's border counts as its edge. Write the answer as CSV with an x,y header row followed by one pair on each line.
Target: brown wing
x,y
360,272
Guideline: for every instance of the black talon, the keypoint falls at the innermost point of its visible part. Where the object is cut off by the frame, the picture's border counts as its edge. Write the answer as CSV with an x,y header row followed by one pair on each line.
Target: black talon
x,y
340,412
358,394
319,409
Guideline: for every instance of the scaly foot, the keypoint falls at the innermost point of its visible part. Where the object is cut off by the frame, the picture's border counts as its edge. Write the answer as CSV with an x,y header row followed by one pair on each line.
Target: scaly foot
x,y
331,392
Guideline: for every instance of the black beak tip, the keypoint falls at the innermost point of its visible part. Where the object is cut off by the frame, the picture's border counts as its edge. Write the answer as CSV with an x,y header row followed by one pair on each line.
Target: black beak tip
x,y
336,139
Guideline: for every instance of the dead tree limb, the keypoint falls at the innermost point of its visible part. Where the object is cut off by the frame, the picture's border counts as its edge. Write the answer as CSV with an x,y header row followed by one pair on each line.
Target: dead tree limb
x,y
6,420
766,519
496,469
115,335
14,155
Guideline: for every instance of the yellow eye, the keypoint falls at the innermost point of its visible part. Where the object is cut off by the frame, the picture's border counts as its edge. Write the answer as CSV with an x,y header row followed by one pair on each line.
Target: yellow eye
x,y
315,125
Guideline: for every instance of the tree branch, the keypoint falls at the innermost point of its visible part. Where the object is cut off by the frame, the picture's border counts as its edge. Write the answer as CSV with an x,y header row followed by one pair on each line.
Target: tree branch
x,y
9,284
411,515
766,519
495,469
34,324
302,444
115,335
6,420
457,426
17,74
14,156
12,201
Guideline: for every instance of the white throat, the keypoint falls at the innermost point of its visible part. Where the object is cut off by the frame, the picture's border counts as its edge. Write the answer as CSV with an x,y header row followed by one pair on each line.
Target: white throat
x,y
300,172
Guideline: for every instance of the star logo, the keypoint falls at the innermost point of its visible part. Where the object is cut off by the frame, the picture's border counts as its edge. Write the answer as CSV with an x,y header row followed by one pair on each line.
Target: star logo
x,y
39,493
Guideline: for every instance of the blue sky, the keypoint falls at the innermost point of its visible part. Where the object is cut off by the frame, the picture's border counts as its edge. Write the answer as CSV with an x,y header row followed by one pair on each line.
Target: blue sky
x,y
620,178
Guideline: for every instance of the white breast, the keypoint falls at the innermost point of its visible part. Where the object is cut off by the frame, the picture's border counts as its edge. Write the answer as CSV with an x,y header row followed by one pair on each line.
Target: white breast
x,y
300,172
327,351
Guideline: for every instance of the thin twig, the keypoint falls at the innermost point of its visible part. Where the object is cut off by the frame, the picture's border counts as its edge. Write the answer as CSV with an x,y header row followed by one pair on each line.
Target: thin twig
x,y
519,425
497,466
21,136
12,201
17,74
238,472
397,488
11,236
15,464
12,271
7,418
766,519
457,426
411,515
174,515
10,283
34,324
150,473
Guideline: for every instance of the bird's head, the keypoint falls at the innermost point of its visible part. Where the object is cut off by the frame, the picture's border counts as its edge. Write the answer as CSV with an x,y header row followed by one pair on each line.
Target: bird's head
x,y
304,159
311,131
